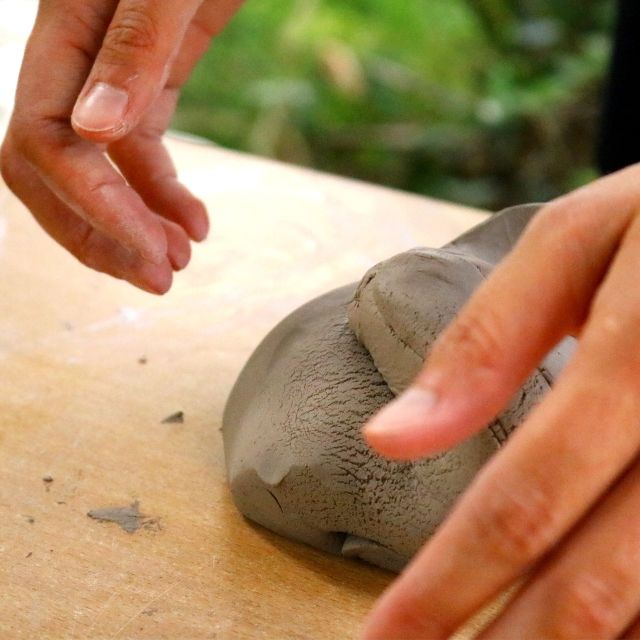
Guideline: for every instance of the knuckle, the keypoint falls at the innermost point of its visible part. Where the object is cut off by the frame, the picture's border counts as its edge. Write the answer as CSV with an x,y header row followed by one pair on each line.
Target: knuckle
x,y
565,220
589,606
614,321
411,614
609,330
134,33
20,137
614,326
33,141
515,525
41,137
100,189
564,215
566,228
569,220
475,339
204,28
14,156
84,247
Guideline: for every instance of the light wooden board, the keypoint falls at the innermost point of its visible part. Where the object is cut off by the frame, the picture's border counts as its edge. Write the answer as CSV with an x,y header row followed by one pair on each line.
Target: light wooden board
x,y
76,404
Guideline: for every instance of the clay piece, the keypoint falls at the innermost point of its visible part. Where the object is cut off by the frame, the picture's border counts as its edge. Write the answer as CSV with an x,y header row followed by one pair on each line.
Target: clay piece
x,y
128,518
296,460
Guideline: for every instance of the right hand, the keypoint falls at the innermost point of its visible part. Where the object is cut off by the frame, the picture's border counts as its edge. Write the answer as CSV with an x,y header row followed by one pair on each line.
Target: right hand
x,y
102,78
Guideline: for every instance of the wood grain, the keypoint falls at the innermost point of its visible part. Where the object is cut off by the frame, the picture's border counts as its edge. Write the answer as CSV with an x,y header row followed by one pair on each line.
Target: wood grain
x,y
90,367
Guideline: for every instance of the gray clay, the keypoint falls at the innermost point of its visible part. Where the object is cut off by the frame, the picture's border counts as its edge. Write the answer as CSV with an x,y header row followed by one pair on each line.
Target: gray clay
x,y
297,463
129,517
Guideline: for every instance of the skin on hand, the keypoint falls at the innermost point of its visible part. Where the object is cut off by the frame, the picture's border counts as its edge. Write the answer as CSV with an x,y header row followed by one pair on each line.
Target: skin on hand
x,y
560,504
99,83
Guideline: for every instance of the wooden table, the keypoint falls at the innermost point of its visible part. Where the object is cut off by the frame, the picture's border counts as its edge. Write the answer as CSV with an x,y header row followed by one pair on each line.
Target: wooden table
x,y
90,367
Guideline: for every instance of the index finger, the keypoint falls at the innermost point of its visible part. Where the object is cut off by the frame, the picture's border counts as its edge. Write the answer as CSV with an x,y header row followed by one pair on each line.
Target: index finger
x,y
535,297
522,503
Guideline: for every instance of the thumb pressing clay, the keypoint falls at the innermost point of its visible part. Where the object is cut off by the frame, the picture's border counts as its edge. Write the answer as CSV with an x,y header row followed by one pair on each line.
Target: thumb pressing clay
x,y
297,463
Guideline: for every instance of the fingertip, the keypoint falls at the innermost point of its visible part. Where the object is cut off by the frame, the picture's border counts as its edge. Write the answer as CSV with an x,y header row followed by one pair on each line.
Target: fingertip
x,y
180,254
404,447
157,280
199,225
174,201
178,245
147,166
160,286
162,289
409,410
397,430
419,423
179,205
153,245
180,260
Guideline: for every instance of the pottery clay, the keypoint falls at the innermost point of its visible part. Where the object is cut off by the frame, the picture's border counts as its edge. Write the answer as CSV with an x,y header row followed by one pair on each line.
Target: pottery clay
x,y
297,463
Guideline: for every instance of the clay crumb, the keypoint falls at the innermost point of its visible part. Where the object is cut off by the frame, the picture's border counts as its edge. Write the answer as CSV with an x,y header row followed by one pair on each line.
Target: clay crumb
x,y
174,418
128,518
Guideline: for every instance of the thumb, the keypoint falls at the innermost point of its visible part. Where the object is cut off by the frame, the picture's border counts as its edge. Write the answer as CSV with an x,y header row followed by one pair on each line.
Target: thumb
x,y
131,67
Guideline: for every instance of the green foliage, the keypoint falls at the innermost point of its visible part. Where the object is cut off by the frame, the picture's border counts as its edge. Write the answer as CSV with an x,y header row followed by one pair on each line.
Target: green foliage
x,y
486,102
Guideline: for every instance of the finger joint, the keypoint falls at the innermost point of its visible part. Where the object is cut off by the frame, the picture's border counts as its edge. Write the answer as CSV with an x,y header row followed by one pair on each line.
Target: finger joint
x,y
567,229
134,33
475,340
515,525
589,606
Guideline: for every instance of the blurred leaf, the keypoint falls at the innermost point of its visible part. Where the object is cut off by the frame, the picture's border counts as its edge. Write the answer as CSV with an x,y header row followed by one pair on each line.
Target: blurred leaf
x,y
488,102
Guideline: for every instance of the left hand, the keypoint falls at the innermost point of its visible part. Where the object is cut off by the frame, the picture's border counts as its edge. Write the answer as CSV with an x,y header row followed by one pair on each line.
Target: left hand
x,y
560,504
84,152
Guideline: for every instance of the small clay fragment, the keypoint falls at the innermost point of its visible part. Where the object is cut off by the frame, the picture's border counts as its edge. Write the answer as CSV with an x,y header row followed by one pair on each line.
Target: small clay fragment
x,y
129,518
48,481
174,418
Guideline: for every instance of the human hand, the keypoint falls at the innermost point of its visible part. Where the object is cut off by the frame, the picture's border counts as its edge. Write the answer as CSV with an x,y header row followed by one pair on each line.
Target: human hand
x,y
560,504
100,79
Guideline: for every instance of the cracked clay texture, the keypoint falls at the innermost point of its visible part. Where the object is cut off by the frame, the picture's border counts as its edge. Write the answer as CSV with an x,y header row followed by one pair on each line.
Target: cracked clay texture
x,y
296,461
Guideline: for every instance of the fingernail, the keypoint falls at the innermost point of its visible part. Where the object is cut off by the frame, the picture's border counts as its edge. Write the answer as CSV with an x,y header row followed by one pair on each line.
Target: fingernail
x,y
102,109
409,410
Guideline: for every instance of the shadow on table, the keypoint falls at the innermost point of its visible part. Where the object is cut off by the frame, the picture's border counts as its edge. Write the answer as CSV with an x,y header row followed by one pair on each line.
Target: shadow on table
x,y
351,573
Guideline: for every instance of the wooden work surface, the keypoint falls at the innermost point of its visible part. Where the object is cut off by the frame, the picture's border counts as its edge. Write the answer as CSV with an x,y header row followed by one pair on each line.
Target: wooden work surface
x,y
89,368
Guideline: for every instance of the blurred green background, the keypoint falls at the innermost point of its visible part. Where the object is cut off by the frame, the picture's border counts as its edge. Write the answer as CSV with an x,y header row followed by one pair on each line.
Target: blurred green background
x,y
483,102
